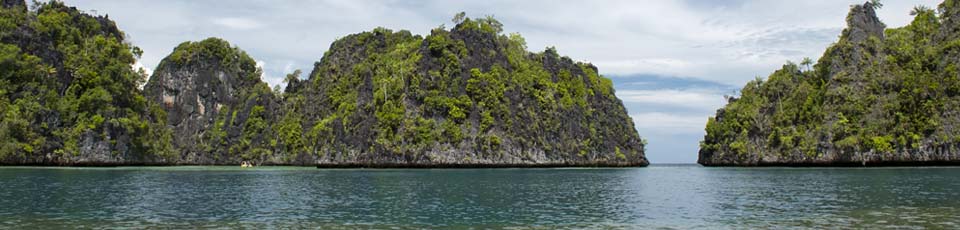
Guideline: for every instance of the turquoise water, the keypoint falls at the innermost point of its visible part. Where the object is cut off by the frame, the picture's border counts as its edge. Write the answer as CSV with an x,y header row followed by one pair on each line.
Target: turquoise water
x,y
655,197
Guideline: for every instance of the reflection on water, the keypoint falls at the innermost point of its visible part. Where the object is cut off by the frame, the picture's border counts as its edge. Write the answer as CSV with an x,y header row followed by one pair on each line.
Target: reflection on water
x,y
658,196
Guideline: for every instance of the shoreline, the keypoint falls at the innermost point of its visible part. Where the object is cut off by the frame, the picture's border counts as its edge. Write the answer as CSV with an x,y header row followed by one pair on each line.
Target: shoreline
x,y
446,165
502,166
344,166
886,164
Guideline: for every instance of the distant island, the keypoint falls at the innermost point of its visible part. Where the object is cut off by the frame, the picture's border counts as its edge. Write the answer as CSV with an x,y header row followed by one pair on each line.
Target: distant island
x,y
469,96
877,97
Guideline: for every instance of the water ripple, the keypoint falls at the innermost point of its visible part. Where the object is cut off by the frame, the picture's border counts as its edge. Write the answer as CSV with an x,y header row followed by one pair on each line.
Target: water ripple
x,y
655,197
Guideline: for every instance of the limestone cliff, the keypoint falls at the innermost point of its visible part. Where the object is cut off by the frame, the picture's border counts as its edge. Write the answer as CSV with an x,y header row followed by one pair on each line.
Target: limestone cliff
x,y
68,94
217,106
469,96
877,97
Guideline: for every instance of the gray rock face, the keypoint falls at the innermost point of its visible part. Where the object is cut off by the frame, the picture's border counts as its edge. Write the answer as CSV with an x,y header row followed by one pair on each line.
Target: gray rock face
x,y
852,103
455,99
193,95
63,135
950,20
209,91
855,52
862,23
529,131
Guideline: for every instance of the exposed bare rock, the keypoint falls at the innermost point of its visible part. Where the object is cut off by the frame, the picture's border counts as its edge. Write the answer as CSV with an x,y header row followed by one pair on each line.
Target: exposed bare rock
x,y
862,23
876,97
209,91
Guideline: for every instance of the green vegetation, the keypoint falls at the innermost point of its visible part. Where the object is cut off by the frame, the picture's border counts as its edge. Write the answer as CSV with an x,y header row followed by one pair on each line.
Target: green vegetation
x,y
75,88
385,94
248,125
876,4
469,94
471,89
883,95
230,57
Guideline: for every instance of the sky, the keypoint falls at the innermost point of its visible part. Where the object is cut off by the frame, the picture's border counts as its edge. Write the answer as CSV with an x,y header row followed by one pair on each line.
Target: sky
x,y
672,62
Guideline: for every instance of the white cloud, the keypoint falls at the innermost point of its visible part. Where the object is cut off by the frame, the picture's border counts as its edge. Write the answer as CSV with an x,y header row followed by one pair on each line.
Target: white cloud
x,y
689,98
288,68
724,41
663,66
139,65
237,23
657,123
272,80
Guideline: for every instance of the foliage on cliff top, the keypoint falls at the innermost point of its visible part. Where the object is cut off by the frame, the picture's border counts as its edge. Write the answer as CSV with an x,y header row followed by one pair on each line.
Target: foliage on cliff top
x,y
886,94
67,78
214,51
471,89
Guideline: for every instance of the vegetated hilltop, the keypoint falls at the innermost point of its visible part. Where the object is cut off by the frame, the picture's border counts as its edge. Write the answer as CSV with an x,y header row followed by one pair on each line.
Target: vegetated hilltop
x,y
877,97
68,94
217,106
465,97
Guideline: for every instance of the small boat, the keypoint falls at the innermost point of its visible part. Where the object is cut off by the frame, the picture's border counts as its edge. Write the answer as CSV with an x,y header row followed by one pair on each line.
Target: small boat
x,y
245,164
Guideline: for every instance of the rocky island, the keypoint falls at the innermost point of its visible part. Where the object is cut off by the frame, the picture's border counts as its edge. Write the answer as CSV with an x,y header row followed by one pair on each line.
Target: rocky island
x,y
469,96
68,93
877,97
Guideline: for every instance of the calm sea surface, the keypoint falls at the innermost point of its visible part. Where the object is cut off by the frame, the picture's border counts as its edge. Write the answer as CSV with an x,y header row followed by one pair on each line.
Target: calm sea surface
x,y
680,196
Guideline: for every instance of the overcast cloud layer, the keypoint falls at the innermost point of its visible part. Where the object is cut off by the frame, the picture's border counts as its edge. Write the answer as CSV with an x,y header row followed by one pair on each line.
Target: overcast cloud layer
x,y
672,61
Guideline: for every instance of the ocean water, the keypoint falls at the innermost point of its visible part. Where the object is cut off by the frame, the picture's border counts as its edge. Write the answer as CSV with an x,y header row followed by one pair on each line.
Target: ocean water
x,y
660,196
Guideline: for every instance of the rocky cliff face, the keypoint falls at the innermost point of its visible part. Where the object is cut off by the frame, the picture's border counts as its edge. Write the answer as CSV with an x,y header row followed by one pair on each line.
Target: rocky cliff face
x,y
862,23
68,95
460,98
469,96
464,97
217,106
876,97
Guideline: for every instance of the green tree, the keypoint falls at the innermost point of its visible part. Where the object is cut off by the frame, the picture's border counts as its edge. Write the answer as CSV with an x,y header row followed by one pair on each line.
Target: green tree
x,y
876,4
918,9
457,19
807,62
